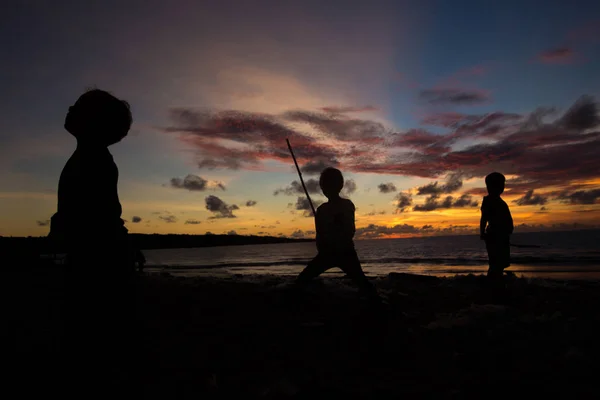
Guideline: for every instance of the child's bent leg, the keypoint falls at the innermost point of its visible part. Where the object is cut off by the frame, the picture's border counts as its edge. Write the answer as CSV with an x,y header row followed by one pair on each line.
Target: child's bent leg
x,y
351,266
315,267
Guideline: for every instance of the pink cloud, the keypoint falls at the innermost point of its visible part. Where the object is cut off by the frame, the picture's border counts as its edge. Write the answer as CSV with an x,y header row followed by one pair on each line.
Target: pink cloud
x,y
557,153
347,109
454,96
444,119
561,55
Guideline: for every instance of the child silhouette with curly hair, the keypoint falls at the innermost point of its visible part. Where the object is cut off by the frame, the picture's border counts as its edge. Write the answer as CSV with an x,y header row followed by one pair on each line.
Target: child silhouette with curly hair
x,y
89,228
88,183
496,225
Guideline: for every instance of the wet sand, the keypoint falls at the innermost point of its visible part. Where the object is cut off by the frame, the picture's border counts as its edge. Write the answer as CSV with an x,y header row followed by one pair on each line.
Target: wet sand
x,y
243,337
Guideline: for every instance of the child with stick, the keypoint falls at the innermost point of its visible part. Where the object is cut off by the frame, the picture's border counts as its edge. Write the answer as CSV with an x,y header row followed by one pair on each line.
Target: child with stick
x,y
335,231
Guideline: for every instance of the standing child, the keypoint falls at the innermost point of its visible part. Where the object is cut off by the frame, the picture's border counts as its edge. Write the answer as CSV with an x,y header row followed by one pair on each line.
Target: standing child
x,y
89,227
496,216
335,232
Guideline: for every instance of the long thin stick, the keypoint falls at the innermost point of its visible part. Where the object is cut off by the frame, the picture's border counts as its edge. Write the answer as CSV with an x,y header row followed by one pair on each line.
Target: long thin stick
x,y
301,180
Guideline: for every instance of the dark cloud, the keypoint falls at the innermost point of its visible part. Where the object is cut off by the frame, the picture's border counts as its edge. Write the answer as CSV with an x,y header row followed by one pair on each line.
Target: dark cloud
x,y
372,213
453,96
232,232
315,167
313,187
419,139
340,126
491,125
540,148
430,189
302,204
403,201
43,223
265,226
453,183
373,231
219,208
580,196
250,203
445,119
258,137
295,188
136,219
537,118
477,191
348,109
195,183
529,199
582,115
170,219
298,234
349,187
561,55
433,203
386,187
192,222
464,200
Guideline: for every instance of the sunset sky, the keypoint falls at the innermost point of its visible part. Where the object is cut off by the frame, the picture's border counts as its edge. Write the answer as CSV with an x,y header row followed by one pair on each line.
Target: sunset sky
x,y
414,101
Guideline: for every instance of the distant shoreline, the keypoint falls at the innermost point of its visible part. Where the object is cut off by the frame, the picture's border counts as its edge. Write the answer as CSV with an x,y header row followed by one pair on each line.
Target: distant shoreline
x,y
42,245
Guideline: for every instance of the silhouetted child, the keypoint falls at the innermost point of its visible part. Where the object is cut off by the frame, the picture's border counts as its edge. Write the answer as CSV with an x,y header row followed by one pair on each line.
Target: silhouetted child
x,y
89,227
89,212
335,232
496,216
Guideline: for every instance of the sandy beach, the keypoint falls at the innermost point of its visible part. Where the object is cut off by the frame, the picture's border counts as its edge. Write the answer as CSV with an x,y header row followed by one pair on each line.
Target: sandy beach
x,y
243,337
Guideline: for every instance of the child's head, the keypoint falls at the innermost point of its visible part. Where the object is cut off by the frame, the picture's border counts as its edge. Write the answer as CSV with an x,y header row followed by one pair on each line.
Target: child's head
x,y
495,183
331,182
98,118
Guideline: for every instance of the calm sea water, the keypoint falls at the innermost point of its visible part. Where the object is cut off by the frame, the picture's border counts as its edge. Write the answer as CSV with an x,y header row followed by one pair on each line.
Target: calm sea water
x,y
569,255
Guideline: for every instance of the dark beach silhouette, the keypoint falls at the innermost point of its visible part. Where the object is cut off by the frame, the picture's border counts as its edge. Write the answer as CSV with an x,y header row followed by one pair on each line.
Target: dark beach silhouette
x,y
168,337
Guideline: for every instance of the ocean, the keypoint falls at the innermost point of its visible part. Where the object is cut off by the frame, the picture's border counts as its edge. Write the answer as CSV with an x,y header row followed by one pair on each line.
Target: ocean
x,y
563,255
